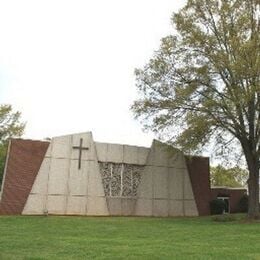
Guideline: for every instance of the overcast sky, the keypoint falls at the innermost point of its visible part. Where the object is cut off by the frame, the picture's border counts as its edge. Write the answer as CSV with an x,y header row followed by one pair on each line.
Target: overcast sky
x,y
68,65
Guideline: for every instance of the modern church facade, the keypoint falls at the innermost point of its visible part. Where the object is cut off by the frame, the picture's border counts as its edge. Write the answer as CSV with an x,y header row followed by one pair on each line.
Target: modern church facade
x,y
74,175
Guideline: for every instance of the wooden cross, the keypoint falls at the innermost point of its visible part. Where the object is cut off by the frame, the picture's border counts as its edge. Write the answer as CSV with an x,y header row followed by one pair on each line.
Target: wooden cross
x,y
81,148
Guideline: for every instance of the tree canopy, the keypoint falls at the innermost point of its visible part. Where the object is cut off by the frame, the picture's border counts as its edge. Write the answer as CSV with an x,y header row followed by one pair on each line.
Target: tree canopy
x,y
230,177
10,126
203,84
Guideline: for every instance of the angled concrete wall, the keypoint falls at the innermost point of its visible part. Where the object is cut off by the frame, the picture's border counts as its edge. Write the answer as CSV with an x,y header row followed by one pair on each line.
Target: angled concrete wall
x,y
165,188
61,188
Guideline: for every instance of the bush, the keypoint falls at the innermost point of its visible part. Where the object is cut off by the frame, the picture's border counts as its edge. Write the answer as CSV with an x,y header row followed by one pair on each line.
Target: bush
x,y
243,204
217,207
224,218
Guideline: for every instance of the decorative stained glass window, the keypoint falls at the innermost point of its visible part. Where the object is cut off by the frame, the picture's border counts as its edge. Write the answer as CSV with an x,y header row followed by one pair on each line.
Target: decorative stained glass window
x,y
120,179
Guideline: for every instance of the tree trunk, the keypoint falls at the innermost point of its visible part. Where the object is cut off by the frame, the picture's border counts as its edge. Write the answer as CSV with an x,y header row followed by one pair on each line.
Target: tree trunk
x,y
253,200
253,186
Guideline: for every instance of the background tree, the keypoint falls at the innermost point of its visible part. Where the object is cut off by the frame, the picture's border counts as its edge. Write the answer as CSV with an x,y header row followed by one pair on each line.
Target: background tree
x,y
203,84
231,177
10,126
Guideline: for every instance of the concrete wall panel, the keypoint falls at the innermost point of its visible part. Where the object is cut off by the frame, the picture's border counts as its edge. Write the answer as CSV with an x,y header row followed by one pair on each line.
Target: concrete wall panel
x,y
144,207
58,177
127,206
176,159
166,155
130,154
158,154
114,206
49,150
176,208
89,154
176,183
188,193
56,205
145,189
142,155
97,206
95,185
160,182
76,205
190,208
41,182
101,149
34,205
160,208
78,178
121,153
61,146
115,153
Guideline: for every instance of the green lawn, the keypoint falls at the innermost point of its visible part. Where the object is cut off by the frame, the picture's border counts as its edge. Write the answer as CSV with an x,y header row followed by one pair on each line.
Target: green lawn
x,y
127,238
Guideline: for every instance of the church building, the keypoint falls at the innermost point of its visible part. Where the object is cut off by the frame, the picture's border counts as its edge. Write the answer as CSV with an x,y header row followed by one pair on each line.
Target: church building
x,y
75,175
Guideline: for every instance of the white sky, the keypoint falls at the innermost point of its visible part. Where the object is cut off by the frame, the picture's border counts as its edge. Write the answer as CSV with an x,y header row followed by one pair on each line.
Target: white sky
x,y
68,66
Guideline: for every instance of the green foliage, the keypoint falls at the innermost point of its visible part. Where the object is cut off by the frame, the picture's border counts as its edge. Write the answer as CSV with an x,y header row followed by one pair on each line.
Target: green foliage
x,y
224,218
231,177
203,82
217,206
3,150
203,85
10,126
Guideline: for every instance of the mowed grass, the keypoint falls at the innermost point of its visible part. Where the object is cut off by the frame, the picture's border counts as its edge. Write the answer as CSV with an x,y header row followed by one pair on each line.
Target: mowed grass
x,y
54,237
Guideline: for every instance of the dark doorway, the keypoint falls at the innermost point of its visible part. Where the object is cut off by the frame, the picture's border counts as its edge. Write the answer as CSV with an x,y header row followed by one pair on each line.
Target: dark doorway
x,y
226,200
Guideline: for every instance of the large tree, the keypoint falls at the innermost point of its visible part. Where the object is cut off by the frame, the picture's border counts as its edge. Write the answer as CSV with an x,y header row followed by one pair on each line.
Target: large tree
x,y
10,126
203,84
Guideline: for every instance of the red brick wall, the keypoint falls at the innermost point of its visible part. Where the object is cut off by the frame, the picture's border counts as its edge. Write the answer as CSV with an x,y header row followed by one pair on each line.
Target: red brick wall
x,y
234,196
25,158
198,168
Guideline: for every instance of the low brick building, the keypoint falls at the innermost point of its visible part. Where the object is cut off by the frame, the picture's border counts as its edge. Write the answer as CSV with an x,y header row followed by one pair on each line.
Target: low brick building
x,y
231,196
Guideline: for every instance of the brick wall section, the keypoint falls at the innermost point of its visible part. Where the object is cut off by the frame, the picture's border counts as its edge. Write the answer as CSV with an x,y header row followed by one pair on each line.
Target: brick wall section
x,y
198,168
25,158
234,196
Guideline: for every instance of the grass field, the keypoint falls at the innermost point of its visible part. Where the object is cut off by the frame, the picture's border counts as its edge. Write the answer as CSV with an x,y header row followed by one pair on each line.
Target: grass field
x,y
127,238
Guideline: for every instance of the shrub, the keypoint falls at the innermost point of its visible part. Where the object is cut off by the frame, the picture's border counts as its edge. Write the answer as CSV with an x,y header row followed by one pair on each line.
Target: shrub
x,y
217,207
243,204
224,218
